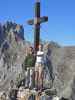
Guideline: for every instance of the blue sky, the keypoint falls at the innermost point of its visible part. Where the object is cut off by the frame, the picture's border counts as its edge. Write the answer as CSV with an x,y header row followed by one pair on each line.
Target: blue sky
x,y
60,27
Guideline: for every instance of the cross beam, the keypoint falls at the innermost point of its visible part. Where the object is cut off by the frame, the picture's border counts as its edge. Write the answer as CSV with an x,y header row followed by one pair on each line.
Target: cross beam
x,y
36,22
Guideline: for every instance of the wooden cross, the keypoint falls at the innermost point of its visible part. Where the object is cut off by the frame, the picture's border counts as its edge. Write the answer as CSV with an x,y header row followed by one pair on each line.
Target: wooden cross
x,y
36,22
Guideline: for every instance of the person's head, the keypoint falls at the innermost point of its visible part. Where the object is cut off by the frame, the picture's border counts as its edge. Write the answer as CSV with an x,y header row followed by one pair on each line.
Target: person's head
x,y
40,47
30,50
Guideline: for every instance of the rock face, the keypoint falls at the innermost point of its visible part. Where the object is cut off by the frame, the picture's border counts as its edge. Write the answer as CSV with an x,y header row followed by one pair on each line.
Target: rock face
x,y
2,36
12,53
63,64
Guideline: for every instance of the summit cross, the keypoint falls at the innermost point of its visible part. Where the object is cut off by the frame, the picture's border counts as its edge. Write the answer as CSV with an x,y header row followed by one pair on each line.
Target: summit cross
x,y
36,22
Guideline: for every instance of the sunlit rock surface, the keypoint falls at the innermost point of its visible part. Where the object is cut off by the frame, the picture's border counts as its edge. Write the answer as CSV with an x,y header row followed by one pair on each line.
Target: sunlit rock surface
x,y
62,69
63,62
59,62
12,53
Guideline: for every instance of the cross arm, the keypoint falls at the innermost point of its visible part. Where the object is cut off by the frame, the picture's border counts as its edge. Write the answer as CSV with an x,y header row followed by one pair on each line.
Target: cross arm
x,y
38,20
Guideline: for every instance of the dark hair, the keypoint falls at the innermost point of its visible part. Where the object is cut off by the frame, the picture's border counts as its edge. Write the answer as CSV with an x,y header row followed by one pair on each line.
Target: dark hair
x,y
31,47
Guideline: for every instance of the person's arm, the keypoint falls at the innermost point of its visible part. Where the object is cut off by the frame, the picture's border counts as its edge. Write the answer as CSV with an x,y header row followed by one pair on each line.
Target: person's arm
x,y
40,53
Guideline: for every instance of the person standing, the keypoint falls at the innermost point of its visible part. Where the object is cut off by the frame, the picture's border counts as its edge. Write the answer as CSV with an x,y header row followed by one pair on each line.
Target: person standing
x,y
28,65
39,65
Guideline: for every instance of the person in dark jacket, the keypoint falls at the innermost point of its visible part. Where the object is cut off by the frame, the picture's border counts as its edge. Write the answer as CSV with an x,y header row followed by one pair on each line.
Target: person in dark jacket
x,y
29,61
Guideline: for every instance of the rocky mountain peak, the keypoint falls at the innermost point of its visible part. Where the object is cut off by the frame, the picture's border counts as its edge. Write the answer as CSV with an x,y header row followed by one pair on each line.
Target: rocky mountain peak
x,y
12,52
